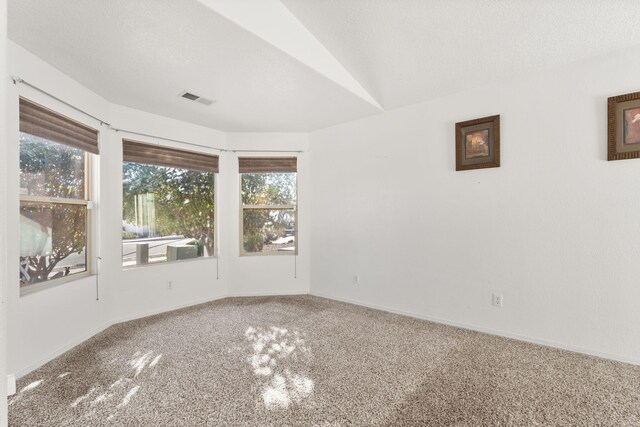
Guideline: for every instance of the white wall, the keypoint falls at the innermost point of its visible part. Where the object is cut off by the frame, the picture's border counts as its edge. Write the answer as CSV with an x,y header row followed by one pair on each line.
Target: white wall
x,y
135,292
555,229
43,324
3,213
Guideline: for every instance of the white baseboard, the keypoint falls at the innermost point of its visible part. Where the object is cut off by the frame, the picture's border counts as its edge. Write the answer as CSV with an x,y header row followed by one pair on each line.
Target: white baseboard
x,y
49,357
519,337
267,294
79,340
12,377
166,309
11,385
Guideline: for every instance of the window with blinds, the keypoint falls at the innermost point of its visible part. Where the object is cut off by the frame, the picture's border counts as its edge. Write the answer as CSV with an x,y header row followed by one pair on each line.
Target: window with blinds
x,y
168,204
269,217
55,193
139,152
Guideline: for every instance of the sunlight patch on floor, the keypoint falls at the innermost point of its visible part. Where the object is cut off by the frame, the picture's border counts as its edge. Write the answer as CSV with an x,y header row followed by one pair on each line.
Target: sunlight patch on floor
x,y
129,395
139,362
123,388
285,389
81,398
102,397
155,361
276,355
31,386
17,396
118,382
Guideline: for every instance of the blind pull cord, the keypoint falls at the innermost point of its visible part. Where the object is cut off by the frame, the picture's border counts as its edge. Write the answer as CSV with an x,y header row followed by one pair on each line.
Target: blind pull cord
x,y
98,260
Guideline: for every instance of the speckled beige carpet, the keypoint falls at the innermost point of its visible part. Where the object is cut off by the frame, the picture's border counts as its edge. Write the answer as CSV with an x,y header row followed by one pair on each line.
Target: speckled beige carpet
x,y
308,361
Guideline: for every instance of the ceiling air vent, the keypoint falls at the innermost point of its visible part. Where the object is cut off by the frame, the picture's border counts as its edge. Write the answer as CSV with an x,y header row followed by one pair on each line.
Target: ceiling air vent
x,y
197,98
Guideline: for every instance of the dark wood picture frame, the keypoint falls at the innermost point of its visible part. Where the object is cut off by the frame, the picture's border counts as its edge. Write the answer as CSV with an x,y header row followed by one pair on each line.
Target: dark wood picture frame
x,y
624,142
487,128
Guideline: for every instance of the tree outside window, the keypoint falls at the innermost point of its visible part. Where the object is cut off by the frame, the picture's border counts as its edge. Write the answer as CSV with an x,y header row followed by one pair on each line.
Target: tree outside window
x,y
168,214
269,213
53,210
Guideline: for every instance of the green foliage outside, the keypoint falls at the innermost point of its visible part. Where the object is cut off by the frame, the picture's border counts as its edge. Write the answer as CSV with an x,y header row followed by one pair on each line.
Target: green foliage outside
x,y
68,236
184,200
184,203
52,170
262,226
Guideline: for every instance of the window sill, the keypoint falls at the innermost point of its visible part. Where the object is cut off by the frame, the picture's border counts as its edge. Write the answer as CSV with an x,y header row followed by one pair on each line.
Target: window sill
x,y
31,289
153,264
266,254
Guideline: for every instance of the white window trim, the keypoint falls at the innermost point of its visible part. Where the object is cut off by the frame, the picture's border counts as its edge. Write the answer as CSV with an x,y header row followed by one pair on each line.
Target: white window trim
x,y
37,287
89,241
216,236
244,207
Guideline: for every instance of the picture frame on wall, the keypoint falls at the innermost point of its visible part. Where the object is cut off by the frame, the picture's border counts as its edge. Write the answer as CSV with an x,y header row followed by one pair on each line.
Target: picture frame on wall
x,y
478,143
624,126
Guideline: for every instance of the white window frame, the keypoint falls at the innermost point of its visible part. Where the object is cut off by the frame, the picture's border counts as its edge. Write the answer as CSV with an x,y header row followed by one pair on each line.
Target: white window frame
x,y
87,201
244,207
203,258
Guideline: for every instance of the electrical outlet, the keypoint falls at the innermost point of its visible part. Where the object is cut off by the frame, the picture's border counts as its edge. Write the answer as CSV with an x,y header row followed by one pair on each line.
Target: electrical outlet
x,y
169,284
497,300
356,280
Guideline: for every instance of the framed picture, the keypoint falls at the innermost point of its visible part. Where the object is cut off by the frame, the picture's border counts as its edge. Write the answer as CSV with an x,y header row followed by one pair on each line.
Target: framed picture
x,y
478,143
624,126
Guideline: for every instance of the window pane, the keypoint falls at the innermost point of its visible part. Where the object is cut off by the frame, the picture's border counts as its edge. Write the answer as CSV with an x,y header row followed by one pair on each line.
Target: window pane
x,y
168,214
53,241
51,169
268,230
269,188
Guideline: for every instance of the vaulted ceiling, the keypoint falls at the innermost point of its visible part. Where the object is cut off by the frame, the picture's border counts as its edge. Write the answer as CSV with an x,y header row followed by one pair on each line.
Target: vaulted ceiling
x,y
300,65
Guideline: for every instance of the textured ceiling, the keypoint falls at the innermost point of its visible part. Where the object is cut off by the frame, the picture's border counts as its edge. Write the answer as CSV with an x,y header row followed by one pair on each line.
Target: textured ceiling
x,y
310,64
273,22
406,51
142,53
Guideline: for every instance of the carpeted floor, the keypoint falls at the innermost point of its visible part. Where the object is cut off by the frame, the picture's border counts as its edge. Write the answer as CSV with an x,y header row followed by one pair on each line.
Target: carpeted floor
x,y
308,361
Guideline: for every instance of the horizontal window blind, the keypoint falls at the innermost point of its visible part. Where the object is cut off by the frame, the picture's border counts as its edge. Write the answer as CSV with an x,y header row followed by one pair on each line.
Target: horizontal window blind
x,y
268,164
139,152
42,122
